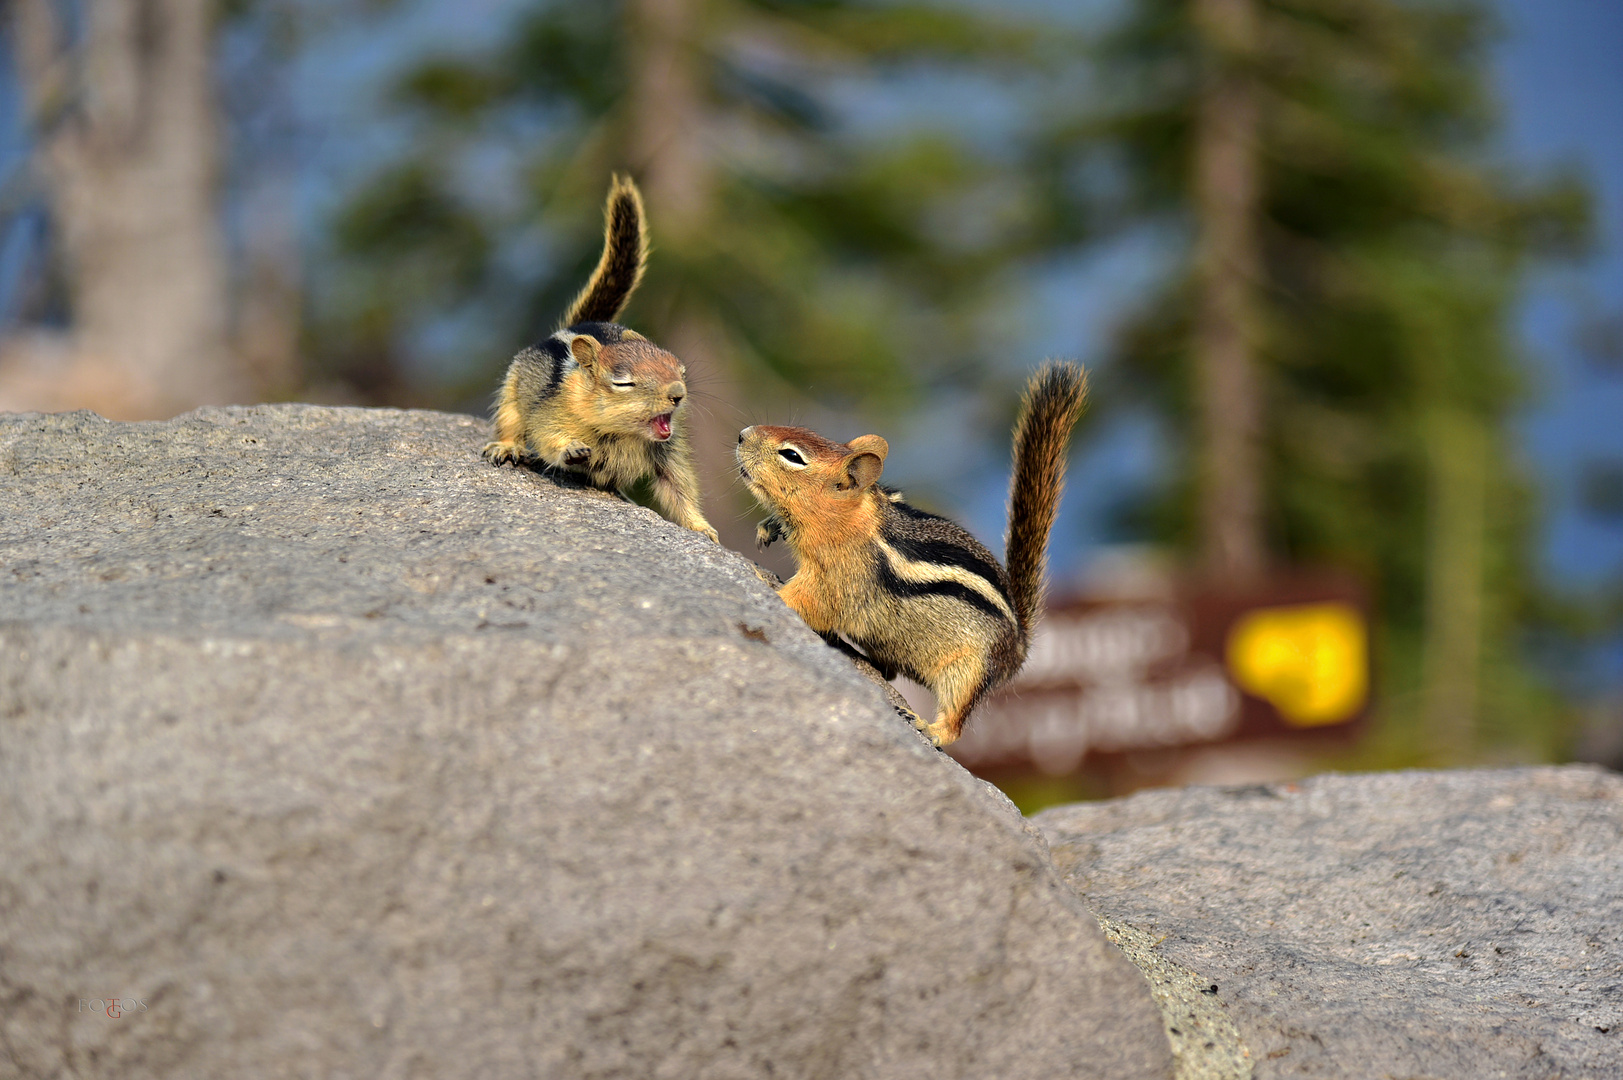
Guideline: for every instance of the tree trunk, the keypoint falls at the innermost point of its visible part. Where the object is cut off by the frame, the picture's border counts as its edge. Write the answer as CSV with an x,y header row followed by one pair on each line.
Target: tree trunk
x,y
270,307
126,144
668,121
669,150
1457,449
1227,272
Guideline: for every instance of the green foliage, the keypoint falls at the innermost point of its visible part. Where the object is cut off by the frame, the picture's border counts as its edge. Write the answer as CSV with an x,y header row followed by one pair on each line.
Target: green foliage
x,y
1392,250
820,259
412,221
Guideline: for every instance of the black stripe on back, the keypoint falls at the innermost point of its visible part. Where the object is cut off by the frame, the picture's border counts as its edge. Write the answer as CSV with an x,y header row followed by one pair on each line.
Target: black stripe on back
x,y
945,553
942,552
561,360
892,583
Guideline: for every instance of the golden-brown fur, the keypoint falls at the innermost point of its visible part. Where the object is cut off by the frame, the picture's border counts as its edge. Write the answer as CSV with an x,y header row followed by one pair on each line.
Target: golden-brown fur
x,y
598,399
917,593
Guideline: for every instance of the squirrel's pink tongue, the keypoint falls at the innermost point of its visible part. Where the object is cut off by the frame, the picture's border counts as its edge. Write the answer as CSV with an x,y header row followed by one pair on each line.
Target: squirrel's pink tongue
x,y
662,425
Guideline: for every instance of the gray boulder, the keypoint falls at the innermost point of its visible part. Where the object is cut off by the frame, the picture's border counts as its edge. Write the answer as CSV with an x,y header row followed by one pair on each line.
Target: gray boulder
x,y
329,750
1451,926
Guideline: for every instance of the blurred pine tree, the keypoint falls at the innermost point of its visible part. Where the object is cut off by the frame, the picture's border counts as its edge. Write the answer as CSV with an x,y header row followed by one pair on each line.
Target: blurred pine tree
x,y
1340,347
789,259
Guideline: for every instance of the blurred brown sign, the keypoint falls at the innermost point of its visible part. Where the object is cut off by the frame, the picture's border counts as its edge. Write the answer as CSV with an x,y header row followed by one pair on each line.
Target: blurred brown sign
x,y
1111,676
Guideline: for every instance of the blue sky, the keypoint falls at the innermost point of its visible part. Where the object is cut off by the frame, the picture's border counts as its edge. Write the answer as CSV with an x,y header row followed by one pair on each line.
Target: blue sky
x,y
1561,81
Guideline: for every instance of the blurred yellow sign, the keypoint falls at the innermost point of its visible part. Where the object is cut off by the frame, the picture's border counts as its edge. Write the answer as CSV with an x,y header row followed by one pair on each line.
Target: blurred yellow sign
x,y
1310,661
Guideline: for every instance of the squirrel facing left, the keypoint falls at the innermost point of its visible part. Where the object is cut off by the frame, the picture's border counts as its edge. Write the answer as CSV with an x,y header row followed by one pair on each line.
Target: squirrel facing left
x,y
915,592
598,399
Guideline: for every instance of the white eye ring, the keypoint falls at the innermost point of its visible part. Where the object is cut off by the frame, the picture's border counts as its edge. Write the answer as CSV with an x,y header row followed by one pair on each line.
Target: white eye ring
x,y
792,457
622,387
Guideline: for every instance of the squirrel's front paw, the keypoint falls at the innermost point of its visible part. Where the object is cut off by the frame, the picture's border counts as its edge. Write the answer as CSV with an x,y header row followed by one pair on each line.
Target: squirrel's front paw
x,y
500,453
577,454
767,531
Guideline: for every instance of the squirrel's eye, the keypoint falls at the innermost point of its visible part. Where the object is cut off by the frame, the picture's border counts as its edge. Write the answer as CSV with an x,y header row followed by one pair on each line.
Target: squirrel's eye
x,y
623,385
792,456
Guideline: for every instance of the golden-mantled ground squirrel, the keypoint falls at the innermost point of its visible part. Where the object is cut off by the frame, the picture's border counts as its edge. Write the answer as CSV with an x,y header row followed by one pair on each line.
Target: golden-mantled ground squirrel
x,y
598,399
917,593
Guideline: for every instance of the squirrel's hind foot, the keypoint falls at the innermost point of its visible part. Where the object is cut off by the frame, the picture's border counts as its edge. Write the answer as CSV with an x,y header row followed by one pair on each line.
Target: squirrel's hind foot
x,y
934,732
897,702
893,696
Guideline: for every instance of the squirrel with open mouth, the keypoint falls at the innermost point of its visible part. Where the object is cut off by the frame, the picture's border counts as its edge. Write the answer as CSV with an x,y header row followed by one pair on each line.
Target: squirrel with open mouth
x,y
916,593
600,400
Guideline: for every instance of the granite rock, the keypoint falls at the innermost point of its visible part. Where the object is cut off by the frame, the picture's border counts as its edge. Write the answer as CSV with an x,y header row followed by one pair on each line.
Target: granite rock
x,y
1441,925
330,750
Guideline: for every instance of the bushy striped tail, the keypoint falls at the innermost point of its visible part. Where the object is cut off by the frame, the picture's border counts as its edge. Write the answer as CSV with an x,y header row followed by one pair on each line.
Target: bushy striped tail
x,y
1052,404
625,251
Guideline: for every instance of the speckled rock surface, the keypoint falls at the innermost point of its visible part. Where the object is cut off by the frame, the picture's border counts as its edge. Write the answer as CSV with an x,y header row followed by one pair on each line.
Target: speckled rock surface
x,y
1449,926
330,751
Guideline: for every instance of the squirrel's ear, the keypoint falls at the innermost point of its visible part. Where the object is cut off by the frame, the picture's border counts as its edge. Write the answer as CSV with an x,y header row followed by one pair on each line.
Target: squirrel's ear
x,y
861,471
584,348
870,444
